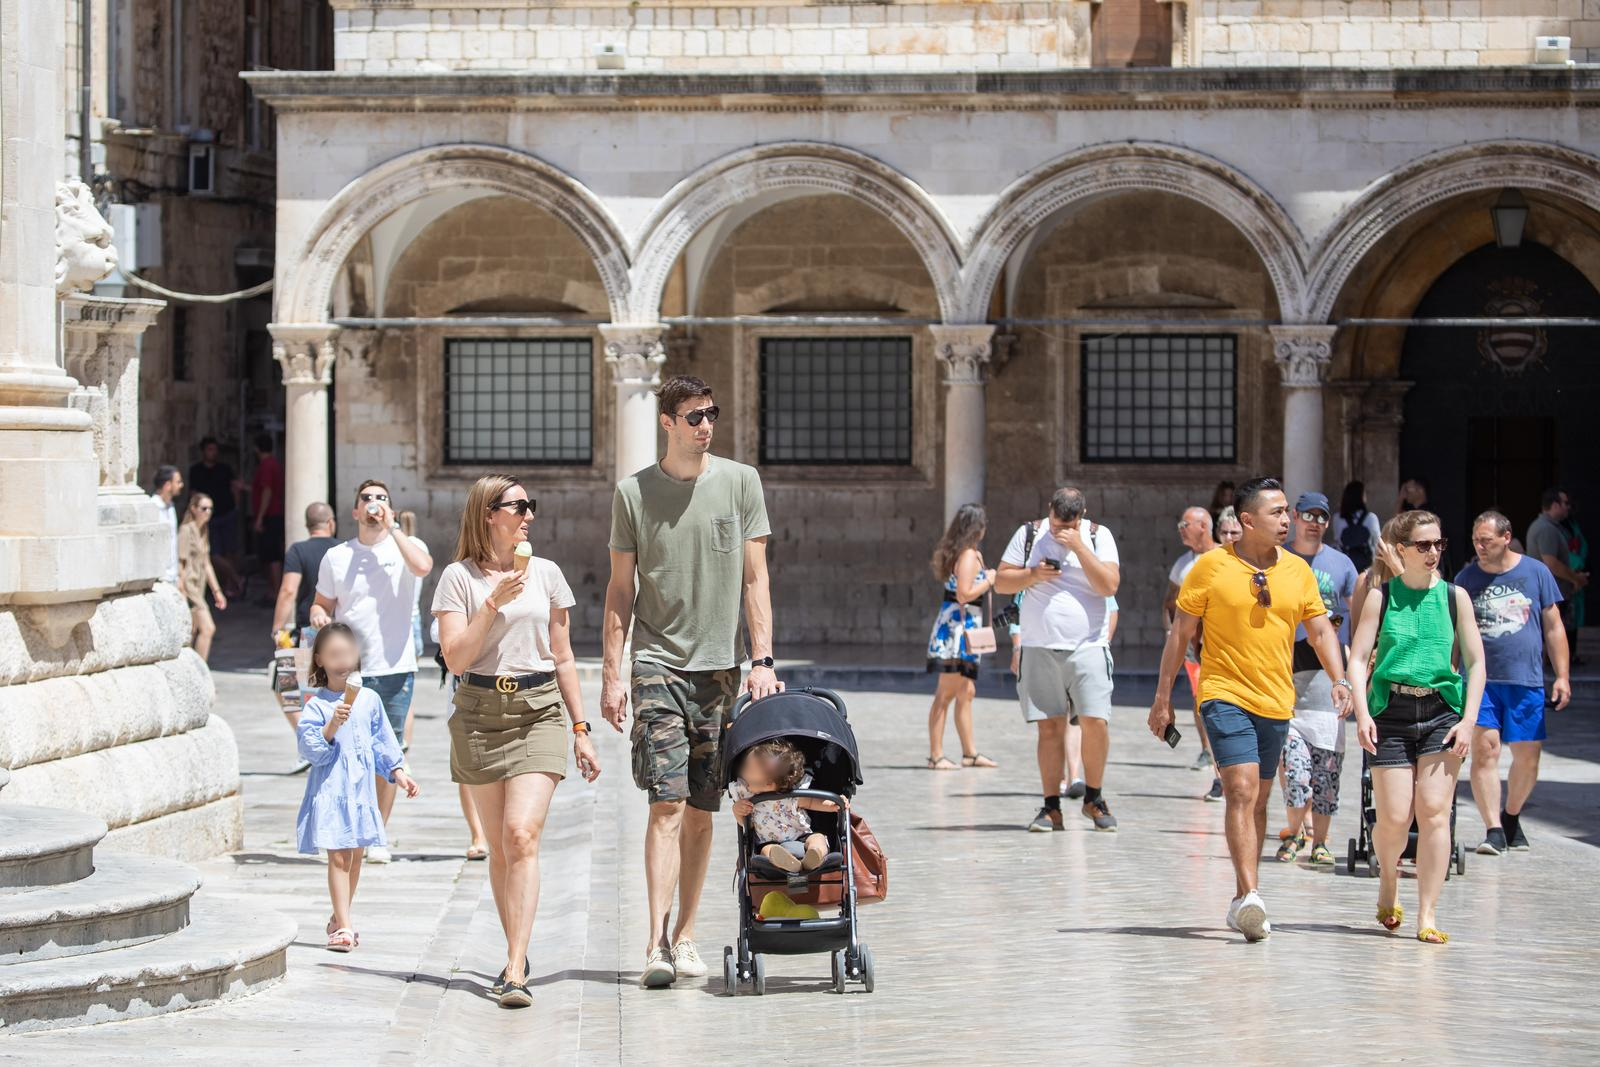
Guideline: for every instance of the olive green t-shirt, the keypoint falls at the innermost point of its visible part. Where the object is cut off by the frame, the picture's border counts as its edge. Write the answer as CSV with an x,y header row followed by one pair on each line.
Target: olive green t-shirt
x,y
689,540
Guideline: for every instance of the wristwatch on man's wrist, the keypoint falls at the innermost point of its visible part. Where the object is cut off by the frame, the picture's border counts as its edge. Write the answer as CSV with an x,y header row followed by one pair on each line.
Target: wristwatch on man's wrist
x,y
764,661
1346,683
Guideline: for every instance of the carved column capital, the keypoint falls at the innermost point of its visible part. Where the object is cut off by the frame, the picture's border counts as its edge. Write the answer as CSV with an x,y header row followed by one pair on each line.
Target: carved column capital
x,y
964,351
101,342
635,352
1303,354
305,351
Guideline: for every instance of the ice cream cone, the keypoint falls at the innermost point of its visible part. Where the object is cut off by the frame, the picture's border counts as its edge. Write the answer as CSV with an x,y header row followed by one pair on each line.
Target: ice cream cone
x,y
522,557
352,689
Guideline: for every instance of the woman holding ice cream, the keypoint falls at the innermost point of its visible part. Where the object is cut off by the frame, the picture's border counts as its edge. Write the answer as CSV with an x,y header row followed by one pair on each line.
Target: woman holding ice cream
x,y
346,737
504,628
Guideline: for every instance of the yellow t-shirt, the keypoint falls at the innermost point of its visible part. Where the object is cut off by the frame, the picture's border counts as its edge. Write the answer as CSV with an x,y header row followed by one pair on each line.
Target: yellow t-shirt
x,y
1246,651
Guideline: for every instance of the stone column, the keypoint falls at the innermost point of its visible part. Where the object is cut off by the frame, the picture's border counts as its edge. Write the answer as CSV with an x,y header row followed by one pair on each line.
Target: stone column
x,y
636,354
305,351
1303,354
963,351
102,352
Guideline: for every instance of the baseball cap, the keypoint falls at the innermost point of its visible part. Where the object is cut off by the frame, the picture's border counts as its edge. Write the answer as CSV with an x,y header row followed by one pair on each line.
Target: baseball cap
x,y
1313,502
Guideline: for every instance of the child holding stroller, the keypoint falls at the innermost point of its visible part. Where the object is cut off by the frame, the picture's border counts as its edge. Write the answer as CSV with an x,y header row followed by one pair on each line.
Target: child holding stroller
x,y
781,828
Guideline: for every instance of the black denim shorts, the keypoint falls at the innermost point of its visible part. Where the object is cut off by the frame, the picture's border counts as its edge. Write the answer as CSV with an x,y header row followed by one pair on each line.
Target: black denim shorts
x,y
1412,727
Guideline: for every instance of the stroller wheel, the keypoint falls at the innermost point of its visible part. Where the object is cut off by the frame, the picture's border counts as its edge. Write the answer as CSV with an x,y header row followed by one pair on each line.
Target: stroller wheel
x,y
1350,858
1372,863
838,971
730,971
1461,858
758,973
868,979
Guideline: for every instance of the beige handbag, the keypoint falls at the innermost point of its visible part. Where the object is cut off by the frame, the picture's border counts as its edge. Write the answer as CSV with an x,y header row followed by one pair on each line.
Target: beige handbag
x,y
980,639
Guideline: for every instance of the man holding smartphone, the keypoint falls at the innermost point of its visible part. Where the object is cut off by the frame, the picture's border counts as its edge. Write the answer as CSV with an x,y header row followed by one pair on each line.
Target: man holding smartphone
x,y
1251,597
1066,657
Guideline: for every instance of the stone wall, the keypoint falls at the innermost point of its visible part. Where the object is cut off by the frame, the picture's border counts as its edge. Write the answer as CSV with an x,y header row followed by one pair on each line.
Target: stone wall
x,y
782,36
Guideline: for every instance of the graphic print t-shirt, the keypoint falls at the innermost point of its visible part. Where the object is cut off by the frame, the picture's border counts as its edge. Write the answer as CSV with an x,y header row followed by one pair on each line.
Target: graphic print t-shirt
x,y
1508,608
1336,580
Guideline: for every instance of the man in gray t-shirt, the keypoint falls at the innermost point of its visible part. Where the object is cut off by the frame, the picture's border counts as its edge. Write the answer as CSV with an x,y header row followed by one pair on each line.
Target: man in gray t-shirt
x,y
688,538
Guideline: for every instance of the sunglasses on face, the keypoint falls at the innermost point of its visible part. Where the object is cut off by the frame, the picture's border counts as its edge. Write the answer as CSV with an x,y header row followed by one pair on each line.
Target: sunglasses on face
x,y
520,507
1263,594
1314,516
374,498
1428,546
699,415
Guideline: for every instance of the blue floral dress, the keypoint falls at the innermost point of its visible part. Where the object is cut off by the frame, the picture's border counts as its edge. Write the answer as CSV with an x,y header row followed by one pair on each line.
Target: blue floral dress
x,y
947,646
340,809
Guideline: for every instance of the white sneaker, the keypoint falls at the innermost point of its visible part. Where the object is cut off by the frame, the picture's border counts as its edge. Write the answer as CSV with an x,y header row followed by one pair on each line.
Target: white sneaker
x,y
686,960
1248,915
378,854
658,970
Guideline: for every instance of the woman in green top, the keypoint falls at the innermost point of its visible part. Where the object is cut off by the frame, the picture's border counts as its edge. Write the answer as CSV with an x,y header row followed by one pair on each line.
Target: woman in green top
x,y
1416,716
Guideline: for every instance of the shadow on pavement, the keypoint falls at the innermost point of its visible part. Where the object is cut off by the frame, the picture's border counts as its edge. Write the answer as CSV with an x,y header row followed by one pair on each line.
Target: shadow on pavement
x,y
1182,933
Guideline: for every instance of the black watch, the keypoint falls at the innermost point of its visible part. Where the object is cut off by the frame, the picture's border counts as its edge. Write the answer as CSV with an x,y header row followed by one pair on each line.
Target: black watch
x,y
764,661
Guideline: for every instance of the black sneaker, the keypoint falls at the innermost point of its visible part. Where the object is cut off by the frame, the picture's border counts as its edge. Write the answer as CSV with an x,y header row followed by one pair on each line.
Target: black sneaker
x,y
1216,790
516,995
1075,790
1494,844
1517,839
1099,813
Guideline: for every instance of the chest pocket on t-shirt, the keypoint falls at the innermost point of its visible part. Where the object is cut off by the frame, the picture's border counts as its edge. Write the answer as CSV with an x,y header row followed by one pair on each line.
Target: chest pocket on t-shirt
x,y
725,533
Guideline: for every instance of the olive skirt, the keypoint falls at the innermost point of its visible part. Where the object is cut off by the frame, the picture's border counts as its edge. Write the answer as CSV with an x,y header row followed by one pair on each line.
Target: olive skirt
x,y
495,736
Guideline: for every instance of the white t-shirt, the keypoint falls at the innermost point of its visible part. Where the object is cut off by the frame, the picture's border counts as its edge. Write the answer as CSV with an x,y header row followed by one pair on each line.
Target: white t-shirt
x,y
169,515
373,593
518,641
1181,567
1062,613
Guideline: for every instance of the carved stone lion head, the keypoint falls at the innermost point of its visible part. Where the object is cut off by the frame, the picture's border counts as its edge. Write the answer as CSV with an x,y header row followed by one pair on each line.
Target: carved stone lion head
x,y
83,240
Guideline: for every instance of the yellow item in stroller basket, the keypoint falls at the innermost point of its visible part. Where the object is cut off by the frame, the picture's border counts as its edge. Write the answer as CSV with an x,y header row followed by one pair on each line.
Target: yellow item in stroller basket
x,y
777,905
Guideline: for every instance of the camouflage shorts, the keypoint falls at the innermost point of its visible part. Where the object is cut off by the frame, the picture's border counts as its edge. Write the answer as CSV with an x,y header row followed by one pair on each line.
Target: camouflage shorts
x,y
678,719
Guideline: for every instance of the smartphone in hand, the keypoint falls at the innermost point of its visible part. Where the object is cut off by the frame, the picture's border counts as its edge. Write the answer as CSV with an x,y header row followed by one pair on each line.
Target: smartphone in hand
x,y
1171,736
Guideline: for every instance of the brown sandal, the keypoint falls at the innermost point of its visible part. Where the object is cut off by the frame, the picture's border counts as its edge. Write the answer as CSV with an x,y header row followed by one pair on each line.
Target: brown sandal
x,y
978,759
941,764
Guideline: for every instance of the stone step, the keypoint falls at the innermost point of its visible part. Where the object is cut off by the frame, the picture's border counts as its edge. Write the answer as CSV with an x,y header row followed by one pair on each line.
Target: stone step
x,y
45,846
225,952
128,900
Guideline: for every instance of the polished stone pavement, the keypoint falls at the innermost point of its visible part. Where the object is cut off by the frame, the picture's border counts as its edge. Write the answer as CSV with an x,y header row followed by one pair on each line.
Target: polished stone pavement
x,y
996,946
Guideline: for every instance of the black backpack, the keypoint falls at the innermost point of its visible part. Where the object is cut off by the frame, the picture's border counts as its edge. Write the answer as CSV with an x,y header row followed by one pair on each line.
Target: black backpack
x,y
1355,540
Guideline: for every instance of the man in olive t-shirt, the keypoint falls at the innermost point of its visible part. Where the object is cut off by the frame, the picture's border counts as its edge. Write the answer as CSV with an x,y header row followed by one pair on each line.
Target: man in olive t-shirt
x,y
688,537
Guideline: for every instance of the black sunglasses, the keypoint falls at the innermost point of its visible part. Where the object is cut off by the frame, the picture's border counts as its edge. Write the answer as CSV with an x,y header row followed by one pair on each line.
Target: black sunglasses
x,y
1428,546
1263,594
699,415
521,507
374,498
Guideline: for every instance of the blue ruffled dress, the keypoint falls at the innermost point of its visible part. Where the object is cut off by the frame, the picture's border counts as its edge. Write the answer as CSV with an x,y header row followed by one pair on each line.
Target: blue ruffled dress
x,y
340,809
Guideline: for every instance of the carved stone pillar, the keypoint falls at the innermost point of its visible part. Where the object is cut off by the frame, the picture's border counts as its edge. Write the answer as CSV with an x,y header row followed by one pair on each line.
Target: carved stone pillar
x,y
1303,354
963,352
635,354
102,353
306,353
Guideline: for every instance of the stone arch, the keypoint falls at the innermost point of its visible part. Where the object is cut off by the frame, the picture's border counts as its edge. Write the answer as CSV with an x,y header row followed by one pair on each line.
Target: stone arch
x,y
1431,180
305,295
1102,169
778,168
812,283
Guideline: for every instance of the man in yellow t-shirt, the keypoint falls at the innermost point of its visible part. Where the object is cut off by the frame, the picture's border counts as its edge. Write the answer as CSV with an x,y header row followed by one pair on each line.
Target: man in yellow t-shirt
x,y
1251,596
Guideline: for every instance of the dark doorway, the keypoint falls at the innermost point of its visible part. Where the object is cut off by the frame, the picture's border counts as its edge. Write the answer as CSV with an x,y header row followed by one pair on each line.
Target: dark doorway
x,y
1510,460
1498,414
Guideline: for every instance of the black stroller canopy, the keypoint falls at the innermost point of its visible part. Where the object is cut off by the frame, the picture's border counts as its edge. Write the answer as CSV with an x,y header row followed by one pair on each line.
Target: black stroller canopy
x,y
814,722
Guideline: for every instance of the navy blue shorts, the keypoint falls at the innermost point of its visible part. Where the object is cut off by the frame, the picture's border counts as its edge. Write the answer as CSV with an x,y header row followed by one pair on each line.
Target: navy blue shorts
x,y
1239,736
394,690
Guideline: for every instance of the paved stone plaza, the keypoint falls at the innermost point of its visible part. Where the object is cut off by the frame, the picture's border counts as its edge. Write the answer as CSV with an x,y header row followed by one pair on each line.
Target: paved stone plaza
x,y
995,945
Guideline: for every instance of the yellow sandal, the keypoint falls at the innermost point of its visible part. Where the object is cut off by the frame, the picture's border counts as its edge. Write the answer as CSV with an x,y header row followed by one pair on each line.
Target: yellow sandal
x,y
1391,918
1430,935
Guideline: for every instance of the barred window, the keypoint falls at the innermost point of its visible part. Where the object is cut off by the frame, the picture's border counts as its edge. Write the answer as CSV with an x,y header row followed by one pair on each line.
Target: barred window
x,y
518,400
1159,398
836,400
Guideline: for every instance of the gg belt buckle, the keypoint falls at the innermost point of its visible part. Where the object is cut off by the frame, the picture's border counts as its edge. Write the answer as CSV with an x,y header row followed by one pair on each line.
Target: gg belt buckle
x,y
505,683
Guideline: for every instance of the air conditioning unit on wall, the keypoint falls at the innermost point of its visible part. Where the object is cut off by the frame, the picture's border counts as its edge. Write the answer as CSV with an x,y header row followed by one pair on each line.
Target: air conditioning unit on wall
x,y
1552,51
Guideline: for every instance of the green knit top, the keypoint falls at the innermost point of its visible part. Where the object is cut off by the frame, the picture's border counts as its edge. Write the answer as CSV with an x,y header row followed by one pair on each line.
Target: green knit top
x,y
1415,640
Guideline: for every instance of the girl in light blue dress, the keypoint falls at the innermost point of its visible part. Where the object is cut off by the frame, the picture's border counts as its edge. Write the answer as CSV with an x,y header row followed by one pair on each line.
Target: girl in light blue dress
x,y
347,742
958,564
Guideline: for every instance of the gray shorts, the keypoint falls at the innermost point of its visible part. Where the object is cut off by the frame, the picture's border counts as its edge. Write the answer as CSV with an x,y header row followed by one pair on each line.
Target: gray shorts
x,y
1057,682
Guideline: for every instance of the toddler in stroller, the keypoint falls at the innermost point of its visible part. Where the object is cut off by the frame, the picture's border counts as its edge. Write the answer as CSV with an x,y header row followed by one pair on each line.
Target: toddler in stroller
x,y
784,837
790,763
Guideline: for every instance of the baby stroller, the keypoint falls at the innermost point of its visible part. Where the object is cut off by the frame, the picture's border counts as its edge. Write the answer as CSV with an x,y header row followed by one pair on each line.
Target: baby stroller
x,y
814,720
1361,845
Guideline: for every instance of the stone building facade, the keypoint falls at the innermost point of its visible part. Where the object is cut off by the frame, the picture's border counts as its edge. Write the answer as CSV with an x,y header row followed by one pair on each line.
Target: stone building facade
x,y
979,281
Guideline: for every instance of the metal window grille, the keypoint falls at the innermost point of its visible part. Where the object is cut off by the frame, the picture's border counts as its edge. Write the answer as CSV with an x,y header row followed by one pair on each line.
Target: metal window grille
x,y
1159,398
517,400
836,400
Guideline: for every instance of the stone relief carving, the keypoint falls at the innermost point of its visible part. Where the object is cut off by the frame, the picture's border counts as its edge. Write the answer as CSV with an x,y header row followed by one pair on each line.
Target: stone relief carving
x,y
635,353
305,361
83,240
1303,354
964,351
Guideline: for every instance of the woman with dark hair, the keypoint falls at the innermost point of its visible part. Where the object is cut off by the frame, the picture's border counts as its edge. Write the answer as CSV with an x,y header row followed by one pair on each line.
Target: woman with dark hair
x,y
504,629
959,565
1221,497
1356,531
1416,716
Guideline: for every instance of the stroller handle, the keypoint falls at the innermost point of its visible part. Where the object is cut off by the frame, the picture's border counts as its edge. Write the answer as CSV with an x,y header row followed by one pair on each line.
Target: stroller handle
x,y
829,695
